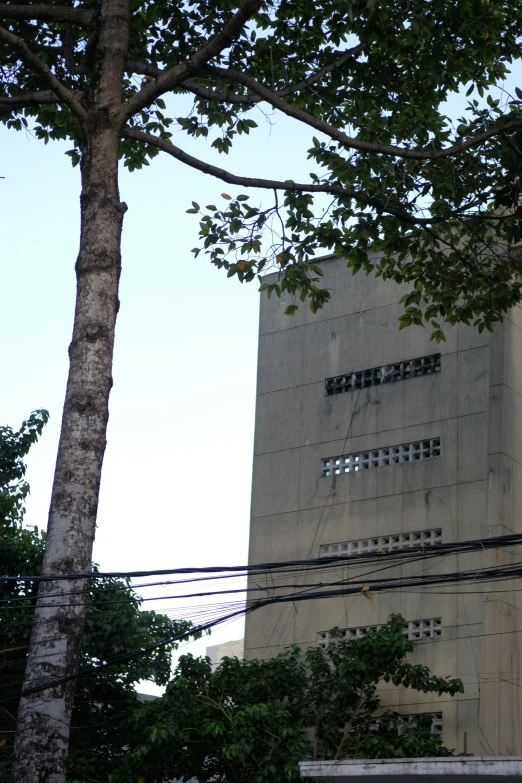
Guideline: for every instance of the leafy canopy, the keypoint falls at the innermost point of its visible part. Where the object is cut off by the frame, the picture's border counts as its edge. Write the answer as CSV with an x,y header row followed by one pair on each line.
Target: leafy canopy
x,y
251,721
396,188
115,624
14,446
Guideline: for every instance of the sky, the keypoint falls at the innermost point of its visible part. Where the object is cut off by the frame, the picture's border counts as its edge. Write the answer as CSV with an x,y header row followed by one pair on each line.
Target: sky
x,y
177,472
176,478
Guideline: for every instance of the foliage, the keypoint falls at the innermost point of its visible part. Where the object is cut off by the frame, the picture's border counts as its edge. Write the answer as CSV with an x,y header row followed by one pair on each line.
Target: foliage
x,y
115,624
252,721
14,446
397,189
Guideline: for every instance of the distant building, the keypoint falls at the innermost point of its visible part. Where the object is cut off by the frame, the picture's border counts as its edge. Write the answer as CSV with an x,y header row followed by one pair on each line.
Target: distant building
x,y
369,438
146,697
217,652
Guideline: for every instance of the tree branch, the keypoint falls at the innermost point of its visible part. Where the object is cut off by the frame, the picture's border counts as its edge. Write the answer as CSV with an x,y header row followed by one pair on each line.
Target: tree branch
x,y
271,184
143,69
231,97
29,99
347,141
55,50
179,73
39,67
515,252
67,52
348,726
48,13
68,49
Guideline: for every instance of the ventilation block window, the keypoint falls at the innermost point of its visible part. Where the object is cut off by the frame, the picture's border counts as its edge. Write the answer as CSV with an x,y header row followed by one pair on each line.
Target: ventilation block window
x,y
387,373
377,458
413,629
411,721
382,543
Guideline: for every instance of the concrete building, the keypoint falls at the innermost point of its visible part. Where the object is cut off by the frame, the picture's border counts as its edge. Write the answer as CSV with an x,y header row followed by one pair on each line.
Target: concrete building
x,y
233,649
440,426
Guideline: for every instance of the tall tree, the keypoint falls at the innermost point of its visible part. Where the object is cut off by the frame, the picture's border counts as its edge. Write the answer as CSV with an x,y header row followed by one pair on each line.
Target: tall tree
x,y
440,205
106,701
251,721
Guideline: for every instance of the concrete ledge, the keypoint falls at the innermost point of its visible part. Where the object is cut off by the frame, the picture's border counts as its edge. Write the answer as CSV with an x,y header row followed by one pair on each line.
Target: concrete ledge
x,y
486,769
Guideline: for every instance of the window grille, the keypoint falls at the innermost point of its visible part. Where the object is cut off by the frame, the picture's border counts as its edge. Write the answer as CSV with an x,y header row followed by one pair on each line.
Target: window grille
x,y
436,722
413,629
387,373
423,629
382,543
390,455
411,721
324,638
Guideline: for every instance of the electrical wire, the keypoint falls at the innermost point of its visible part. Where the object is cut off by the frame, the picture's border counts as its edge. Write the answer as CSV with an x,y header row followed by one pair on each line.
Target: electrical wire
x,y
250,606
211,615
433,550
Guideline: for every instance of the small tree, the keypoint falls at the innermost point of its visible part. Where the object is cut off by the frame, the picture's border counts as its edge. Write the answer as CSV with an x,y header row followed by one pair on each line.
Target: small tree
x,y
369,76
252,721
115,624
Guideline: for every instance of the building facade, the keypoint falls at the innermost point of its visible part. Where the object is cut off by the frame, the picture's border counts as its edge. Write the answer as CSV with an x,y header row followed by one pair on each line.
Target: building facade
x,y
440,427
232,649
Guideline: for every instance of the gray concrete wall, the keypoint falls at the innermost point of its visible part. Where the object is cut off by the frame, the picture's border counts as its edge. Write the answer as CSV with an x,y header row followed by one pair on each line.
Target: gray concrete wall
x,y
501,704
415,770
232,649
472,489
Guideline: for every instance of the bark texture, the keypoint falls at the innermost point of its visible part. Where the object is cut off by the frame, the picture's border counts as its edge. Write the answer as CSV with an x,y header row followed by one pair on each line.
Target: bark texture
x,y
44,718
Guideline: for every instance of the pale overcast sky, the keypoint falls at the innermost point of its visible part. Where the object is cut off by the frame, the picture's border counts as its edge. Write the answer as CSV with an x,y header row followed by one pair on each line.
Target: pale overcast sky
x,y
177,472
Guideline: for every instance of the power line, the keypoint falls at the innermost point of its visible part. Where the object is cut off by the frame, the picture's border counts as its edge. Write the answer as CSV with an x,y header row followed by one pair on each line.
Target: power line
x,y
249,607
433,550
349,586
53,682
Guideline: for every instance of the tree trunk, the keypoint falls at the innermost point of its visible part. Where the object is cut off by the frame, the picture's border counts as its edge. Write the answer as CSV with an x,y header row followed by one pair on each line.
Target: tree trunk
x,y
42,737
43,720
